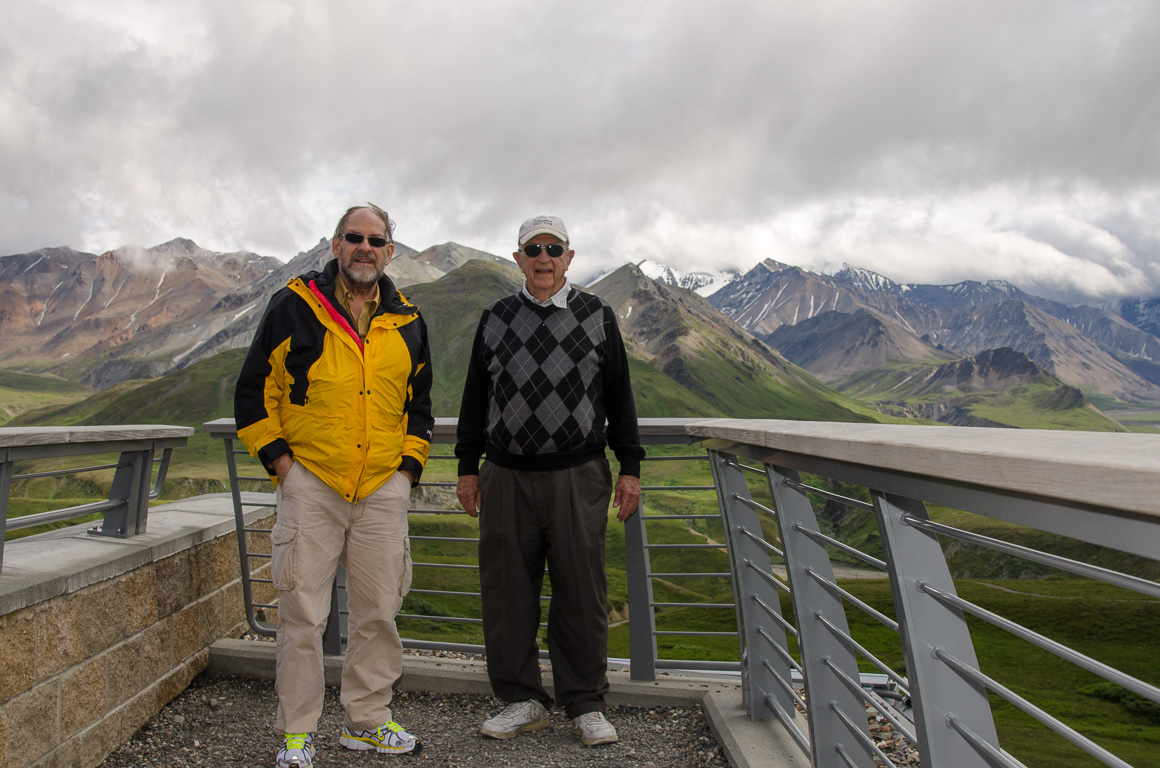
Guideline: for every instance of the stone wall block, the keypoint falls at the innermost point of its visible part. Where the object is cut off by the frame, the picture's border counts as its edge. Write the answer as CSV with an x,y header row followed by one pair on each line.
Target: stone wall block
x,y
209,619
17,654
157,649
234,604
69,754
32,722
125,670
99,740
104,615
137,711
82,698
220,564
186,633
59,636
179,679
140,599
173,583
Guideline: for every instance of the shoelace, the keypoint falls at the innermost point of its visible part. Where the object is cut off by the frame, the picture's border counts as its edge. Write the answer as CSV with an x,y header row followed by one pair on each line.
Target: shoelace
x,y
391,726
296,740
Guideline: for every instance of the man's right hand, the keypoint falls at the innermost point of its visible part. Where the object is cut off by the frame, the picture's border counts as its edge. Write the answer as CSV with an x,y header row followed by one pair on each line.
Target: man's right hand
x,y
282,466
467,489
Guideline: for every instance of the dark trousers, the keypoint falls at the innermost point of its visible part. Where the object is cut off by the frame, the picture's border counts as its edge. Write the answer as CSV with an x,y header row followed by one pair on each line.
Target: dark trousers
x,y
527,518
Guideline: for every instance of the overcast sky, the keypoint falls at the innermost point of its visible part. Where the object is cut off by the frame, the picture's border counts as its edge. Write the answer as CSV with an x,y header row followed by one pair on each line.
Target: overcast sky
x,y
928,141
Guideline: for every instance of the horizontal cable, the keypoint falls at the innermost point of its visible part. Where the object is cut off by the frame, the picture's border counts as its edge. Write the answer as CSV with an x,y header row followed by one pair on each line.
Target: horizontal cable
x,y
67,513
259,504
828,495
445,538
822,538
688,575
1075,657
855,688
853,645
255,530
678,487
1143,586
993,754
775,615
692,605
266,605
417,511
680,517
769,548
783,653
1075,737
258,554
849,761
769,577
447,565
863,738
790,726
833,588
785,686
443,592
753,504
440,618
746,468
259,479
684,546
78,470
261,581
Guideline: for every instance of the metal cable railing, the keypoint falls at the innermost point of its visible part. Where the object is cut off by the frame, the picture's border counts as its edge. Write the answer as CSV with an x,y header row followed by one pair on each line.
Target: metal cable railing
x,y
826,654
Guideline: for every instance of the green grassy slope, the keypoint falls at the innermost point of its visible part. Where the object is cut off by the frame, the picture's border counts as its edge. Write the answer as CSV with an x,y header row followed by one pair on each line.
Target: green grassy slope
x,y
21,392
1041,403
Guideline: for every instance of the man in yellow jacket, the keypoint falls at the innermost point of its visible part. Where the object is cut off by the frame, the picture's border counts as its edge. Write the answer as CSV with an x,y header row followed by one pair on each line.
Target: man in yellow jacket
x,y
334,398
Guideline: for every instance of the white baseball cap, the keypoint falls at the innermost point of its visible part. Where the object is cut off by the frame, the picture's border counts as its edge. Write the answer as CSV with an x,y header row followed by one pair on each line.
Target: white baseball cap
x,y
543,225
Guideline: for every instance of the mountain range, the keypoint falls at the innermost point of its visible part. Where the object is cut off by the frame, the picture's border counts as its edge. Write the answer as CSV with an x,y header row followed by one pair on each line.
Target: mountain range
x,y
836,324
776,341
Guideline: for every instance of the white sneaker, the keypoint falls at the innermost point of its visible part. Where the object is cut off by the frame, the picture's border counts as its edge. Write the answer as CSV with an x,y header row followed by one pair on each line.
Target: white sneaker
x,y
297,751
518,717
593,728
390,738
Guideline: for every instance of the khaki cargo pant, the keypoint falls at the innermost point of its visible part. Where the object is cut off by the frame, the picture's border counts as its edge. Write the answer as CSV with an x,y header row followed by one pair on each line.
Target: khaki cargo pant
x,y
316,530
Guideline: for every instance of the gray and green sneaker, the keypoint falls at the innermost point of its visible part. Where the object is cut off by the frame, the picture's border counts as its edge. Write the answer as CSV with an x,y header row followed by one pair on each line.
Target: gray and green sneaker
x,y
389,738
297,751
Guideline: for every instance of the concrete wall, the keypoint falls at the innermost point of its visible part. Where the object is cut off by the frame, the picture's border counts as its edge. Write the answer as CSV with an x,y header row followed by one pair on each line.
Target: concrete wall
x,y
98,634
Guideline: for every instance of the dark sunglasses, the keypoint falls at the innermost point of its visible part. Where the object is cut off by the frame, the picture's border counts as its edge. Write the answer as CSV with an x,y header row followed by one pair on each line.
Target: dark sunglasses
x,y
555,251
354,238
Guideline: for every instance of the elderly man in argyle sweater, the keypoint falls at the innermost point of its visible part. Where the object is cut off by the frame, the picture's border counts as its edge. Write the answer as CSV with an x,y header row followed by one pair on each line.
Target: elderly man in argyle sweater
x,y
548,367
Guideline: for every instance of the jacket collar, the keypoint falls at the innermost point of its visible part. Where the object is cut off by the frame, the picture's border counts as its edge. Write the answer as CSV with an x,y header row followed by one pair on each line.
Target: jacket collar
x,y
390,300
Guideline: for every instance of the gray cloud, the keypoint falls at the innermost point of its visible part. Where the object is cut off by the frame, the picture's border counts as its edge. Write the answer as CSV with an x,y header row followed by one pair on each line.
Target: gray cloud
x,y
930,141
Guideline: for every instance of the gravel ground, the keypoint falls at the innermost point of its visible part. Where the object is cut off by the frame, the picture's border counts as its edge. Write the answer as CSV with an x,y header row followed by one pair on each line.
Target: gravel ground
x,y
229,721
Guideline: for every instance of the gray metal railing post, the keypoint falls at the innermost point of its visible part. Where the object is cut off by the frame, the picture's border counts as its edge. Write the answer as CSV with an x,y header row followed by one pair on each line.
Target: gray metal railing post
x,y
5,489
940,695
764,674
642,640
130,489
834,708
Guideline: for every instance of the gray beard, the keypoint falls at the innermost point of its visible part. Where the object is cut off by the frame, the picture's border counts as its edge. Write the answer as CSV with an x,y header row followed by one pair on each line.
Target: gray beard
x,y
357,283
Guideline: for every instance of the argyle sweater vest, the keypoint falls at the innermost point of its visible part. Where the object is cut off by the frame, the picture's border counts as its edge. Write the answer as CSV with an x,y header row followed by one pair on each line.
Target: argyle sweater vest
x,y
540,385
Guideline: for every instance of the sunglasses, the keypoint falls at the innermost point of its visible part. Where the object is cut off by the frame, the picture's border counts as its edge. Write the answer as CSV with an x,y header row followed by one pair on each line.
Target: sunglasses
x,y
354,238
555,251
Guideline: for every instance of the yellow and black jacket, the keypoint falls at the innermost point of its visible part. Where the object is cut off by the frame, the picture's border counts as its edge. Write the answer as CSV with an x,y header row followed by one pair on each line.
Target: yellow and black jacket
x,y
353,412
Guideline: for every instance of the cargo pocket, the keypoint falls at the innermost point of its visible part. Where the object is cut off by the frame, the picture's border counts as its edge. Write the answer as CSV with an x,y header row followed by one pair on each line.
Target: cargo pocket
x,y
283,556
405,576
